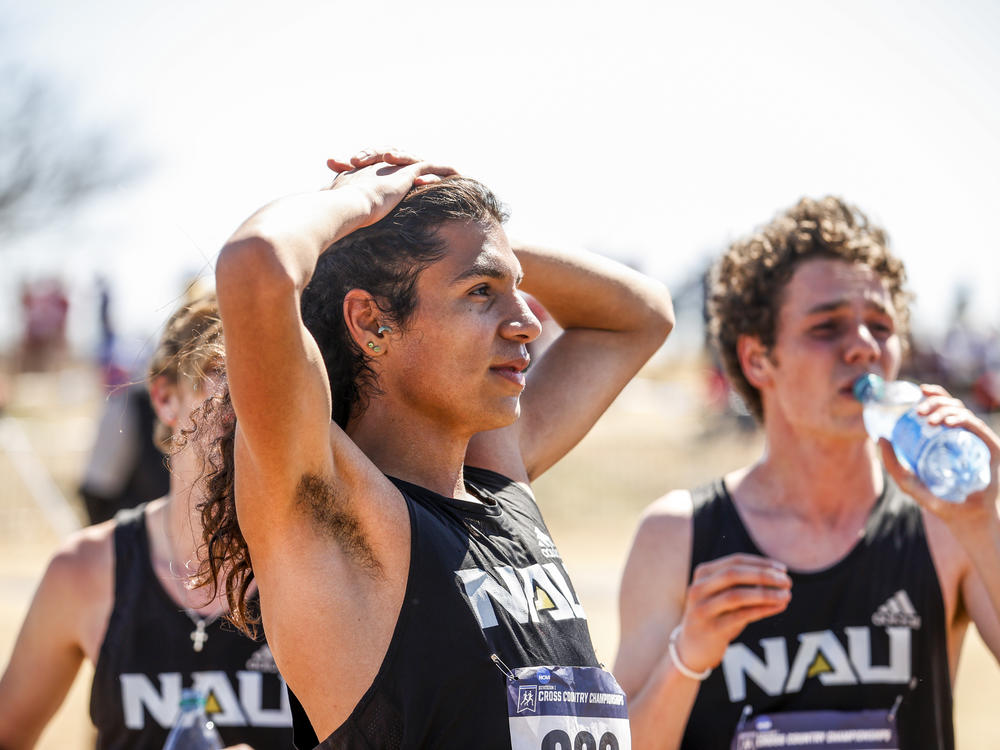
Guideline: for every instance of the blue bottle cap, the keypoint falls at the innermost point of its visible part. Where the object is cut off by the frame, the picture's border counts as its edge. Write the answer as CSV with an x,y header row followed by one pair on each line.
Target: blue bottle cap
x,y
191,698
869,387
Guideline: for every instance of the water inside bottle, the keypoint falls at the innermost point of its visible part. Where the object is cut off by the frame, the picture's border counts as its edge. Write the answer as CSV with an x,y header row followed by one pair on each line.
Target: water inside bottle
x,y
951,462
908,436
880,419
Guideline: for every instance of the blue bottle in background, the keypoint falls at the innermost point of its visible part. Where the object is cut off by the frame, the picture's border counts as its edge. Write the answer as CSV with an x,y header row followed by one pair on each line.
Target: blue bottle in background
x,y
951,461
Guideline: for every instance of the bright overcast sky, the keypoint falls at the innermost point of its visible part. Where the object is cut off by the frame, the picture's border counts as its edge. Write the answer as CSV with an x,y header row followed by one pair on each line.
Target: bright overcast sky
x,y
653,132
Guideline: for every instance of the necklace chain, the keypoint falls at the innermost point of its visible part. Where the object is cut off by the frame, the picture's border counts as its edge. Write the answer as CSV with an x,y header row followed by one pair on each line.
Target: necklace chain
x,y
198,635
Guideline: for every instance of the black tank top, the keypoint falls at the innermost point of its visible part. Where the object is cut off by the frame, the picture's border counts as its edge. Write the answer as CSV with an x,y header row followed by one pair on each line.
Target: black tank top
x,y
865,633
148,655
484,579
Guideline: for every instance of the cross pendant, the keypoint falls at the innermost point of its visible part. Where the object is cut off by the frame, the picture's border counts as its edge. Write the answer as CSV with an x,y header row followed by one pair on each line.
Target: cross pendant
x,y
199,636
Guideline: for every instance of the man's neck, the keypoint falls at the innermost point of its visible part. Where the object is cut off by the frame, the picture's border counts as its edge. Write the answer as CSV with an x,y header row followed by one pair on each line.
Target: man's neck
x,y
807,503
818,480
412,447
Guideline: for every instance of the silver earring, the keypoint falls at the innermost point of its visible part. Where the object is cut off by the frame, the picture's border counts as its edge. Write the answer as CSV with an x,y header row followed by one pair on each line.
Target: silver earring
x,y
384,329
374,347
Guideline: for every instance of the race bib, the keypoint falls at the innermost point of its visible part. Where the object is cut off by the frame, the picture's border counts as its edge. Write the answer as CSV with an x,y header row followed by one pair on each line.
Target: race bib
x,y
567,708
819,730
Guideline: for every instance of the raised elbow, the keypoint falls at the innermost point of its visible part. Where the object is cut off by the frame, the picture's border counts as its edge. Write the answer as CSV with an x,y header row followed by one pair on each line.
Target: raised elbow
x,y
659,319
249,269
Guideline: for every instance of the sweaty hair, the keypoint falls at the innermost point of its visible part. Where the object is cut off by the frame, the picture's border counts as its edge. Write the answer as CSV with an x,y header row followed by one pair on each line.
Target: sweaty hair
x,y
190,349
384,259
746,285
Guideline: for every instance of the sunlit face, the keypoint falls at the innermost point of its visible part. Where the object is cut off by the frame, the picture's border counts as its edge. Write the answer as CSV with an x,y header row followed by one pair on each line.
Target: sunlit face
x,y
462,356
837,321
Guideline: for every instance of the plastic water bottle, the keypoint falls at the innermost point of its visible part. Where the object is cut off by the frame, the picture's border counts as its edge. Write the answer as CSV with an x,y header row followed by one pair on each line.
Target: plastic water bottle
x,y
193,730
950,461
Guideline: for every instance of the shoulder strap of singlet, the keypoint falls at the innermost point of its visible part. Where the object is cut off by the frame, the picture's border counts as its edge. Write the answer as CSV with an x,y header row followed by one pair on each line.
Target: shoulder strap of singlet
x,y
713,519
497,483
131,544
707,493
131,549
896,515
303,735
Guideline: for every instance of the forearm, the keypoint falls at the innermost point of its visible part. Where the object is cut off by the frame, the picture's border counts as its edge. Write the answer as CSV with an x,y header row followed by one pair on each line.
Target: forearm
x,y
283,240
585,290
981,542
659,712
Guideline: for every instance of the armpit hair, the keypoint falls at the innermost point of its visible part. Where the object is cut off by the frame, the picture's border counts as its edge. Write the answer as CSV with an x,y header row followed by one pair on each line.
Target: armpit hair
x,y
315,495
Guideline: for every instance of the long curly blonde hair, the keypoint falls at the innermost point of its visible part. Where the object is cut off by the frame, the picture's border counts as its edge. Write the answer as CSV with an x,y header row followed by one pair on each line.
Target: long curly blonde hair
x,y
190,348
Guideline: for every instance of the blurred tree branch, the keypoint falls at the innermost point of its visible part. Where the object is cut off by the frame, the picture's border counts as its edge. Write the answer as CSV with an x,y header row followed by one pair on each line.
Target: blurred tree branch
x,y
49,164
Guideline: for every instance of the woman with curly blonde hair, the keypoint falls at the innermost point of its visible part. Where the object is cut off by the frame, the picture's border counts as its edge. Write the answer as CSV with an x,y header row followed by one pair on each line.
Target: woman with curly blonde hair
x,y
122,595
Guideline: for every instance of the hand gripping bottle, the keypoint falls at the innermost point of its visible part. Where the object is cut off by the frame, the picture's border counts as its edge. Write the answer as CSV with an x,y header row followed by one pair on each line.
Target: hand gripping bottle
x,y
950,461
193,730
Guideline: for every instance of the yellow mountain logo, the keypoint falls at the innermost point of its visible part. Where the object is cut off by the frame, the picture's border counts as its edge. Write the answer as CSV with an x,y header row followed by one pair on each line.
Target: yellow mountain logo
x,y
212,704
542,600
819,666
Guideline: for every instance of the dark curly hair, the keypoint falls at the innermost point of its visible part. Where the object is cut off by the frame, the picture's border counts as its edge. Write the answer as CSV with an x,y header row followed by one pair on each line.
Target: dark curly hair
x,y
385,260
746,285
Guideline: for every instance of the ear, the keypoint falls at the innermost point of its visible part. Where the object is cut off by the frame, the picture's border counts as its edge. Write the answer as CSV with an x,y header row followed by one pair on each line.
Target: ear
x,y
755,361
364,320
165,400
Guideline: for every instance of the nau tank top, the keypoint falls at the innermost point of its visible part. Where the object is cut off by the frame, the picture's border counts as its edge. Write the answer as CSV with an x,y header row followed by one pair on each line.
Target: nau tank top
x,y
485,580
867,633
148,656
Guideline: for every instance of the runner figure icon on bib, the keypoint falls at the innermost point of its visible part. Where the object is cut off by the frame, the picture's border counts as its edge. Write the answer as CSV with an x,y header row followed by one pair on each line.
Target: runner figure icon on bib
x,y
567,708
825,730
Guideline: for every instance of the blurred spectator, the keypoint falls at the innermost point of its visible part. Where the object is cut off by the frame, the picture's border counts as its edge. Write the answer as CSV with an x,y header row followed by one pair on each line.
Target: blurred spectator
x,y
43,342
125,467
113,373
962,352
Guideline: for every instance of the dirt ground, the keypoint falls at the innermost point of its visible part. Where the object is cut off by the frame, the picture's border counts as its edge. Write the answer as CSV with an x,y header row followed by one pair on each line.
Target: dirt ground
x,y
656,437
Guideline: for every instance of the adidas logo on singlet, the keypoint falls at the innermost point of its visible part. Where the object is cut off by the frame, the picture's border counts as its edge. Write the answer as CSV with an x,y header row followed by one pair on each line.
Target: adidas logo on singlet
x,y
897,610
545,544
262,661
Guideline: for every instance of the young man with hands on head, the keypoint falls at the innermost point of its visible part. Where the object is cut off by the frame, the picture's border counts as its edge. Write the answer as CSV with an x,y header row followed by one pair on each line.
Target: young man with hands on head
x,y
811,594
387,430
